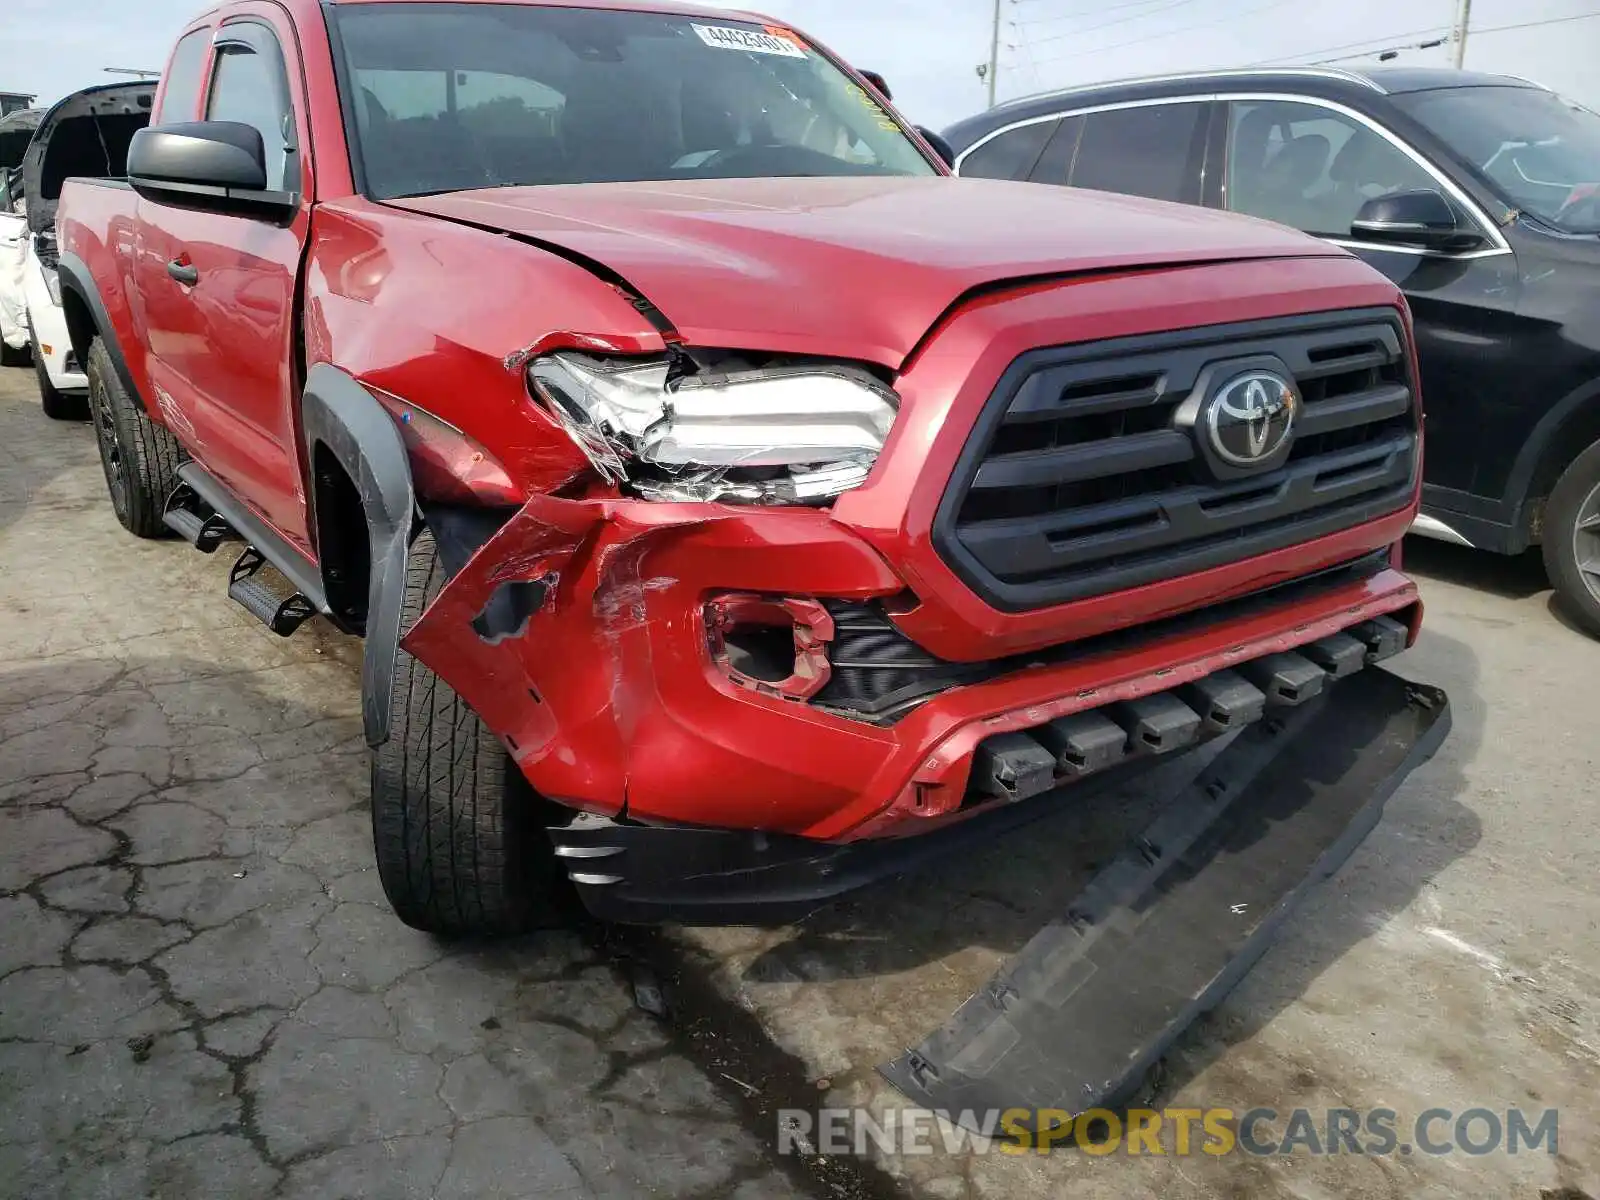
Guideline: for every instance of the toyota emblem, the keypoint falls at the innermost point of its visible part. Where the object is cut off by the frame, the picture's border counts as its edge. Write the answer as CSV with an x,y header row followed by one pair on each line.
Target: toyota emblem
x,y
1250,418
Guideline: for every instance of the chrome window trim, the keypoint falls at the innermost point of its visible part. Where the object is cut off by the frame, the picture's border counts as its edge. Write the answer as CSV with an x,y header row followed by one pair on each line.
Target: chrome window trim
x,y
1471,207
1084,111
1196,76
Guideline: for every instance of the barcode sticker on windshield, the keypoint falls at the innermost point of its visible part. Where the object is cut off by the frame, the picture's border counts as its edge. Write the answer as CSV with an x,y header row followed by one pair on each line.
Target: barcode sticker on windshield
x,y
725,38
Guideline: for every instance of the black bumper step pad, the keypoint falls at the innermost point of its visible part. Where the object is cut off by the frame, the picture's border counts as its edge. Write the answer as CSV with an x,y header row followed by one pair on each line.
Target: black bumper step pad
x,y
1077,1018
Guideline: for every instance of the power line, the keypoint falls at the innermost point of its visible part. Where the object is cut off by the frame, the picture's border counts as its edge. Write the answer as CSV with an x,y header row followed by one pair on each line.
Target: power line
x,y
1056,37
1379,43
1169,33
1096,11
1386,43
1533,24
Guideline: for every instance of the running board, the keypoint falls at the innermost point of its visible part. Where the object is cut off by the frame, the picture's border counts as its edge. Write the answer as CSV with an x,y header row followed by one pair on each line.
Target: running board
x,y
258,536
1079,1016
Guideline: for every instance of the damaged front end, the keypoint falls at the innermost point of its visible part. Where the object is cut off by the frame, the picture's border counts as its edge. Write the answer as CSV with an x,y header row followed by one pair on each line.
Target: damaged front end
x,y
695,426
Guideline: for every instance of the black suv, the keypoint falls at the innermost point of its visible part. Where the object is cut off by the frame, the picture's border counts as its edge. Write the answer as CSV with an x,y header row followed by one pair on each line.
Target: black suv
x,y
1478,194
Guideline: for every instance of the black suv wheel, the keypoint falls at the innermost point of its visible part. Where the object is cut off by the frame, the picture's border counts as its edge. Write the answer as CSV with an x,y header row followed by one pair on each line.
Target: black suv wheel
x,y
1572,540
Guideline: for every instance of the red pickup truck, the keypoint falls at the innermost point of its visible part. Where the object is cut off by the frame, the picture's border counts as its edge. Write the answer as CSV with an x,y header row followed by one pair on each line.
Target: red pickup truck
x,y
733,505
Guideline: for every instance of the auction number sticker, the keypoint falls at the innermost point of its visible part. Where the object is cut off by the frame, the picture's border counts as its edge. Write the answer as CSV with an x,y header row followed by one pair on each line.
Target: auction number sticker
x,y
726,38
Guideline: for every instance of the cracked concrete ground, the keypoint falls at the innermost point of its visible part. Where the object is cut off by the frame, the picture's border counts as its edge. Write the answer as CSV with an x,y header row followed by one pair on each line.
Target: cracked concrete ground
x,y
202,993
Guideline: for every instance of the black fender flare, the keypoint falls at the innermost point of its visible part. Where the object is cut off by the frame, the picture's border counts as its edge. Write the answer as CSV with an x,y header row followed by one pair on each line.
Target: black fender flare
x,y
1533,451
340,415
75,277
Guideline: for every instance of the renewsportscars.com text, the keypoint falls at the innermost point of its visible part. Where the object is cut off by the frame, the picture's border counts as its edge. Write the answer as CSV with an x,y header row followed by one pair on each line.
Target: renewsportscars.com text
x,y
1179,1132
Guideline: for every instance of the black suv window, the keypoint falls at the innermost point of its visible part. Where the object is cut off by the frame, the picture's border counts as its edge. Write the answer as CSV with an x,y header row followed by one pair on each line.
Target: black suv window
x,y
1151,150
1311,167
1011,155
182,92
248,86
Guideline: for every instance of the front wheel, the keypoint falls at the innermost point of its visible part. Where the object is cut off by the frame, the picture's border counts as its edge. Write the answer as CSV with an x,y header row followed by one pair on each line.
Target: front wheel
x,y
1572,540
457,830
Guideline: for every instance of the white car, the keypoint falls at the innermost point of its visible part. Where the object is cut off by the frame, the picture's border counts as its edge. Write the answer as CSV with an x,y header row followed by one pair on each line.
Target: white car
x,y
16,131
85,134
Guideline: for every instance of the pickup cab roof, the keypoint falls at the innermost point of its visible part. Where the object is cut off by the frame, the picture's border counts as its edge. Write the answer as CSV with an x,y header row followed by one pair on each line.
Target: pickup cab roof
x,y
86,133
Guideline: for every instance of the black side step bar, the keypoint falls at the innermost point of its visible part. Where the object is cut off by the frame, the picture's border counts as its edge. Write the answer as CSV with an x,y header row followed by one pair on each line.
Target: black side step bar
x,y
281,614
1078,1017
263,545
205,531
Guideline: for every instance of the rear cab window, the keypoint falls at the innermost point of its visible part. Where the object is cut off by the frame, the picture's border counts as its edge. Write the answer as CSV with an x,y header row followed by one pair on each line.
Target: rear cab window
x,y
180,90
445,97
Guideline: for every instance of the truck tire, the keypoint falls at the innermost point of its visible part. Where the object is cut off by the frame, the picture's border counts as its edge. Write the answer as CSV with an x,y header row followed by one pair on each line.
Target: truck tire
x,y
13,356
57,405
1571,540
457,829
140,457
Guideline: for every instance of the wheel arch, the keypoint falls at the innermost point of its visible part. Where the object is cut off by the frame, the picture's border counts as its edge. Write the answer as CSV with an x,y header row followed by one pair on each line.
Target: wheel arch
x,y
87,319
356,457
1570,427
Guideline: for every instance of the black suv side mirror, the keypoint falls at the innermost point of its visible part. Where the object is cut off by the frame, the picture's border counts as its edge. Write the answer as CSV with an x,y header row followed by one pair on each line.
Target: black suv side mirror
x,y
215,165
938,145
1415,218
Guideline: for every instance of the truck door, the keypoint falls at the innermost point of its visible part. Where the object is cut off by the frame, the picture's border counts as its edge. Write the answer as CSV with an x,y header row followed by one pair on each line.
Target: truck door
x,y
1312,165
220,291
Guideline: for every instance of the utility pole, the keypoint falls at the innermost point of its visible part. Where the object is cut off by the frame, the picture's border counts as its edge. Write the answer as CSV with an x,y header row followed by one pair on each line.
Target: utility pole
x,y
994,53
1463,21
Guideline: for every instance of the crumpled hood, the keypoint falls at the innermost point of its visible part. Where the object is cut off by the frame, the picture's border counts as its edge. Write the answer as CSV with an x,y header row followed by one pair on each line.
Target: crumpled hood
x,y
856,267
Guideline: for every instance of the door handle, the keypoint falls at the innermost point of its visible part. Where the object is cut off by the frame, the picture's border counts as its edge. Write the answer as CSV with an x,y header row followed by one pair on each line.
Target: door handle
x,y
185,273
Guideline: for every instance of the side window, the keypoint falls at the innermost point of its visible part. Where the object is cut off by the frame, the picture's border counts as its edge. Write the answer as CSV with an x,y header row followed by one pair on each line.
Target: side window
x,y
1055,164
1311,167
1148,150
180,96
1009,156
249,87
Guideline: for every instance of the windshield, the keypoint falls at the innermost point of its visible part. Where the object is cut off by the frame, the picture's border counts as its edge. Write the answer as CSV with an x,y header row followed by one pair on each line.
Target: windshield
x,y
1540,152
447,97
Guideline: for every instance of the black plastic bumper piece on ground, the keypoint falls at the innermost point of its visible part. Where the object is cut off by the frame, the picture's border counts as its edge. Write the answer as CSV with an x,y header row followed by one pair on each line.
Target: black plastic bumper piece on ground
x,y
1078,1017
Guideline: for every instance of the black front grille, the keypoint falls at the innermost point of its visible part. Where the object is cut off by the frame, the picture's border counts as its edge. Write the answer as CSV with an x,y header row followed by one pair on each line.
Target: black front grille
x,y
1080,478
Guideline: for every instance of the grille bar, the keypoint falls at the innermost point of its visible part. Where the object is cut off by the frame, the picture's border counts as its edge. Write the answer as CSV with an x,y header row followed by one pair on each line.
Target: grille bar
x,y
1081,478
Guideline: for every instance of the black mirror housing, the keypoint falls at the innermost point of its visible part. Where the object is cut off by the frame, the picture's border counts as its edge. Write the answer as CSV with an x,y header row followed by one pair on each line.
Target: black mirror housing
x,y
938,145
1413,218
878,82
215,165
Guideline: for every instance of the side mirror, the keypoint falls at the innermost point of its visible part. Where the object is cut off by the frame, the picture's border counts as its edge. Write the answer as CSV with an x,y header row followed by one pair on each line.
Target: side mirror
x,y
1416,218
938,145
879,82
215,165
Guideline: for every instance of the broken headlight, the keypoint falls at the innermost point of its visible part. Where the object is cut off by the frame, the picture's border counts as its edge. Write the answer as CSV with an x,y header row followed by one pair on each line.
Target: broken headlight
x,y
795,433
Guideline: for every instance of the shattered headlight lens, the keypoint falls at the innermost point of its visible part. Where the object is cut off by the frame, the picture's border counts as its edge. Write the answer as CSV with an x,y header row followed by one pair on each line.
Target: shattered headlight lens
x,y
44,249
797,433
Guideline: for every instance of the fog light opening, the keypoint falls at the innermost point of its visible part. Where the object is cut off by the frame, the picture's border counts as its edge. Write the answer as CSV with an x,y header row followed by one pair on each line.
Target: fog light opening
x,y
770,644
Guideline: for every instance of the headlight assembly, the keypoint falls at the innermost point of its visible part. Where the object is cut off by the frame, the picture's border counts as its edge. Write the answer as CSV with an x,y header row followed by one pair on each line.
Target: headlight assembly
x,y
794,433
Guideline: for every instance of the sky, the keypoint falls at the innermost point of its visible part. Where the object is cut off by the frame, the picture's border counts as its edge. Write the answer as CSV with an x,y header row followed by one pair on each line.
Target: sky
x,y
929,51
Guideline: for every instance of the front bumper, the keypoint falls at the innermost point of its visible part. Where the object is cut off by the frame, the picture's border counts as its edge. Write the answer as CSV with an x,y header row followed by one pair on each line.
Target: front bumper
x,y
609,701
602,686
1372,729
